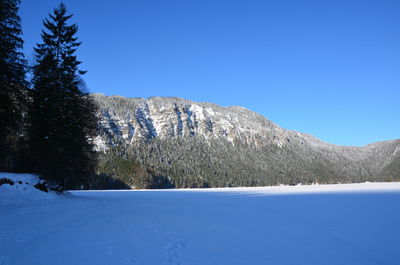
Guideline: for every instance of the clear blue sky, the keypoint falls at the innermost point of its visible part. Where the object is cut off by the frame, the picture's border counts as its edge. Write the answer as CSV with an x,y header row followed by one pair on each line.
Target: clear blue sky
x,y
327,68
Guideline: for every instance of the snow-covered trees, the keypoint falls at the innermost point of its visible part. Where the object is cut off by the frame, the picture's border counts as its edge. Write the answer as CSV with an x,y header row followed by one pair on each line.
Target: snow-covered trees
x,y
63,116
13,87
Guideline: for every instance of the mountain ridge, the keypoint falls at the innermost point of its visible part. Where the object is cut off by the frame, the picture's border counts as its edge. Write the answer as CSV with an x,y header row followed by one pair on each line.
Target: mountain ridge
x,y
154,130
238,107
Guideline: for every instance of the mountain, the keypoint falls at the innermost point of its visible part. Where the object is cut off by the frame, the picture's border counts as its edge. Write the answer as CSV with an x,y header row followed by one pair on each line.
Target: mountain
x,y
176,142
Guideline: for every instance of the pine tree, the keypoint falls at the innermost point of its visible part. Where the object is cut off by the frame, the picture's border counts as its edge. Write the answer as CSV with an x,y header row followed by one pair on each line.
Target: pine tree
x,y
63,116
13,87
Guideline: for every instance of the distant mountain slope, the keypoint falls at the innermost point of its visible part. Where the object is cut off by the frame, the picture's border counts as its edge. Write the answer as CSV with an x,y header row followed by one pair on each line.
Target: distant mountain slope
x,y
189,144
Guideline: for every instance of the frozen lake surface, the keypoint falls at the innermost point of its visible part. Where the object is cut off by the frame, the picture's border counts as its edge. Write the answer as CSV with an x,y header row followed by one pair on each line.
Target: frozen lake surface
x,y
324,224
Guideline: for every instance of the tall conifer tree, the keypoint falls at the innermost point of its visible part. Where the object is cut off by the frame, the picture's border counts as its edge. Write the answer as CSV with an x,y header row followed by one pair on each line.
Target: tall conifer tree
x,y
63,116
13,87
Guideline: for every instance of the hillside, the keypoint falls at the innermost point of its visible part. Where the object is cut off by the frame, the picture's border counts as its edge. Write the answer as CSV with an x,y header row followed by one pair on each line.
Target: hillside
x,y
177,142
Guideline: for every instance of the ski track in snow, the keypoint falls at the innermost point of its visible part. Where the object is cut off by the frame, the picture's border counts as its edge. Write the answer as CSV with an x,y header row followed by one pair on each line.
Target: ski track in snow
x,y
327,224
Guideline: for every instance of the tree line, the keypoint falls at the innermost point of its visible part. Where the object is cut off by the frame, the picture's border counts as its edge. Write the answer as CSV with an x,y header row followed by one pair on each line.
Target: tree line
x,y
49,121
196,162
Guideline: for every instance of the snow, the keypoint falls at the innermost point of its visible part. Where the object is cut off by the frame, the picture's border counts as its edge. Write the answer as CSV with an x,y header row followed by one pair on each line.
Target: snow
x,y
198,111
22,190
318,224
24,178
99,144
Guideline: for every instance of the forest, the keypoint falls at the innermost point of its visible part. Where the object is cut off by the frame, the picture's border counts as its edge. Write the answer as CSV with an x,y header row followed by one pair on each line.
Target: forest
x,y
48,121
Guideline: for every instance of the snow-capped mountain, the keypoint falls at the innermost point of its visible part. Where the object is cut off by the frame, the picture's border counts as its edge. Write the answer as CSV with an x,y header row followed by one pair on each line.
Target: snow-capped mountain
x,y
133,119
171,125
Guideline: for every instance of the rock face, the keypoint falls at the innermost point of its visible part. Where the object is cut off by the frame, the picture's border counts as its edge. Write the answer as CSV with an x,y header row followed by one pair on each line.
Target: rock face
x,y
155,131
136,118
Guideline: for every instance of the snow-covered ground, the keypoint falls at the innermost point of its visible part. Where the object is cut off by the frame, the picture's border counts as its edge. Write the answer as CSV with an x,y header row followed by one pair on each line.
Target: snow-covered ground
x,y
326,224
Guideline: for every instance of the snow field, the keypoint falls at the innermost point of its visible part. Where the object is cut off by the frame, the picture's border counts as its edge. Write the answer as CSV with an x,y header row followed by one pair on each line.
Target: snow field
x,y
327,224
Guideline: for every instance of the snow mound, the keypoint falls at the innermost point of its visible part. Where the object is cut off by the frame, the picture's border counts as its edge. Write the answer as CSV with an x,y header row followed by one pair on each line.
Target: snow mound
x,y
16,185
24,178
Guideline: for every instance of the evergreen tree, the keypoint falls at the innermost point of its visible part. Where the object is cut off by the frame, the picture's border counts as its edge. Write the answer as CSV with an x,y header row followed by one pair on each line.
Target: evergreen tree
x,y
13,87
63,116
